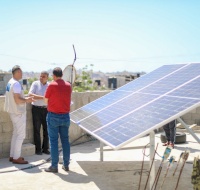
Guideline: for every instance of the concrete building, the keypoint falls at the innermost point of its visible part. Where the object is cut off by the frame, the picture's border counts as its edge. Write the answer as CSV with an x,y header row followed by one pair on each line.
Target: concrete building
x,y
117,81
4,78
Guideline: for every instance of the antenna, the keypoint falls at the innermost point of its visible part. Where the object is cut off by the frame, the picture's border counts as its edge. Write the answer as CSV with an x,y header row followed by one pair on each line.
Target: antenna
x,y
69,73
73,64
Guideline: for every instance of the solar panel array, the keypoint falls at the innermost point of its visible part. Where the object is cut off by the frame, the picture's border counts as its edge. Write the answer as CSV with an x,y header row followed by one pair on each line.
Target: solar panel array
x,y
142,105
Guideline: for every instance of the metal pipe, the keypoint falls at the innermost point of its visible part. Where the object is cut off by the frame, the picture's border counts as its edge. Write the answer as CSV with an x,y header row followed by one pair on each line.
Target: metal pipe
x,y
101,151
141,169
185,157
188,129
151,167
178,163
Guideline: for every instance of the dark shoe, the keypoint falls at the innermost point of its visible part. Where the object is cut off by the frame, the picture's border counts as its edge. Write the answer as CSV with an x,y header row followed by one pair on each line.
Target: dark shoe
x,y
50,169
11,159
38,153
46,151
65,168
166,144
20,160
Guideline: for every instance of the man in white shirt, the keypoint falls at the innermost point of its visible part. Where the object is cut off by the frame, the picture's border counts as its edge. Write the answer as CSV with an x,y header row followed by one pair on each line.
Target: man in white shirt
x,y
39,113
15,105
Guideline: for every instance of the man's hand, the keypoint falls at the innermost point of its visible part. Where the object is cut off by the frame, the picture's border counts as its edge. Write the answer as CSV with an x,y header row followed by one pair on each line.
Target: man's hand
x,y
20,100
29,99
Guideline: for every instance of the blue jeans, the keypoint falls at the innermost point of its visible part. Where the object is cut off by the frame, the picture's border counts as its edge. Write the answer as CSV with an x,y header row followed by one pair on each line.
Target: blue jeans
x,y
58,124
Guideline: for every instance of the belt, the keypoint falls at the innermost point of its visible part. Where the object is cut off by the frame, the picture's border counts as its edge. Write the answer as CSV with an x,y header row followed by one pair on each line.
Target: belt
x,y
42,107
57,113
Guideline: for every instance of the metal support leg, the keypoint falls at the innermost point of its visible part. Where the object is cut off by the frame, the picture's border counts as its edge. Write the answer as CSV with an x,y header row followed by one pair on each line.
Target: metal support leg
x,y
188,129
152,150
101,151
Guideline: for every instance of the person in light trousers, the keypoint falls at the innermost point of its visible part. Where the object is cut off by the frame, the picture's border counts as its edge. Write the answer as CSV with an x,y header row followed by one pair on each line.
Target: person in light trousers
x,y
15,105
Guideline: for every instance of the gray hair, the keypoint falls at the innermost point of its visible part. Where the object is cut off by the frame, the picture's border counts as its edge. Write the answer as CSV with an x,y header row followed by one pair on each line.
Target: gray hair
x,y
45,72
15,68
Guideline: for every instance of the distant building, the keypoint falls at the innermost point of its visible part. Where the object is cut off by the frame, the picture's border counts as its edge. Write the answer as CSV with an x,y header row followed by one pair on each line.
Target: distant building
x,y
120,80
4,78
98,82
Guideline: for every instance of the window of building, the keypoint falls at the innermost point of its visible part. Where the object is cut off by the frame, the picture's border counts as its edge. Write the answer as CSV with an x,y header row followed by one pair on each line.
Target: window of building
x,y
1,78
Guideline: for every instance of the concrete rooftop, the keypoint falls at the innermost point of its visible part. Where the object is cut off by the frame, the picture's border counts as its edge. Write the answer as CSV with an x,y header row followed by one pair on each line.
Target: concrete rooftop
x,y
120,169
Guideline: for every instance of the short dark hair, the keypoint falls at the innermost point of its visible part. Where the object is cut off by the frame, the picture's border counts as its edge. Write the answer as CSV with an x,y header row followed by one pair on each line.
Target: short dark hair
x,y
57,72
15,68
45,72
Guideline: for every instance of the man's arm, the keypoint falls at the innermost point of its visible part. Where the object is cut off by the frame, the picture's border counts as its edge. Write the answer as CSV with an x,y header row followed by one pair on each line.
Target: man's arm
x,y
19,100
46,100
47,94
36,97
32,91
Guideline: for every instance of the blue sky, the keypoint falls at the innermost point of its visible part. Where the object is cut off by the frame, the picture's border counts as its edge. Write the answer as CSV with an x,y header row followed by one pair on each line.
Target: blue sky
x,y
113,35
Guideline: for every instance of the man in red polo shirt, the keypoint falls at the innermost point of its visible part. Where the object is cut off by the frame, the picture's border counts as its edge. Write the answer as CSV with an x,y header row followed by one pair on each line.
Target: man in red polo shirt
x,y
58,98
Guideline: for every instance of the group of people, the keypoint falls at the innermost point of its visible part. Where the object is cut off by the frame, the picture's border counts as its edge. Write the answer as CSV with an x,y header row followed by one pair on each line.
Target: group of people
x,y
50,109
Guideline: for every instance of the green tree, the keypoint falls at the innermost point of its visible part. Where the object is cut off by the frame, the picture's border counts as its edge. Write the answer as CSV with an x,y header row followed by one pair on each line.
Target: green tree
x,y
31,80
84,81
50,78
25,91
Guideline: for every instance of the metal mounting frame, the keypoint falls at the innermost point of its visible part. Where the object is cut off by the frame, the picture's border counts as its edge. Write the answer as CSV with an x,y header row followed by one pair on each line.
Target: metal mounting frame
x,y
188,129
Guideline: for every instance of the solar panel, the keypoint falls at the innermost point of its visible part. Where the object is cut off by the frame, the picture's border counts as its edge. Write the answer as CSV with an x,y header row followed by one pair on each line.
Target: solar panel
x,y
97,105
141,122
190,90
174,80
142,105
123,92
117,110
152,77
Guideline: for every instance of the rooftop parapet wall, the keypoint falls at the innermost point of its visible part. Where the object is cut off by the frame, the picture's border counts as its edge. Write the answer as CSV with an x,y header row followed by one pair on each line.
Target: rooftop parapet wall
x,y
192,117
79,99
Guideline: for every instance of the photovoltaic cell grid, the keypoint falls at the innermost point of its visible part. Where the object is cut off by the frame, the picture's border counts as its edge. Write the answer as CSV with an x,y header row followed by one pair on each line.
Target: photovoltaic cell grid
x,y
123,92
97,105
173,81
142,121
115,111
151,77
190,90
166,93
